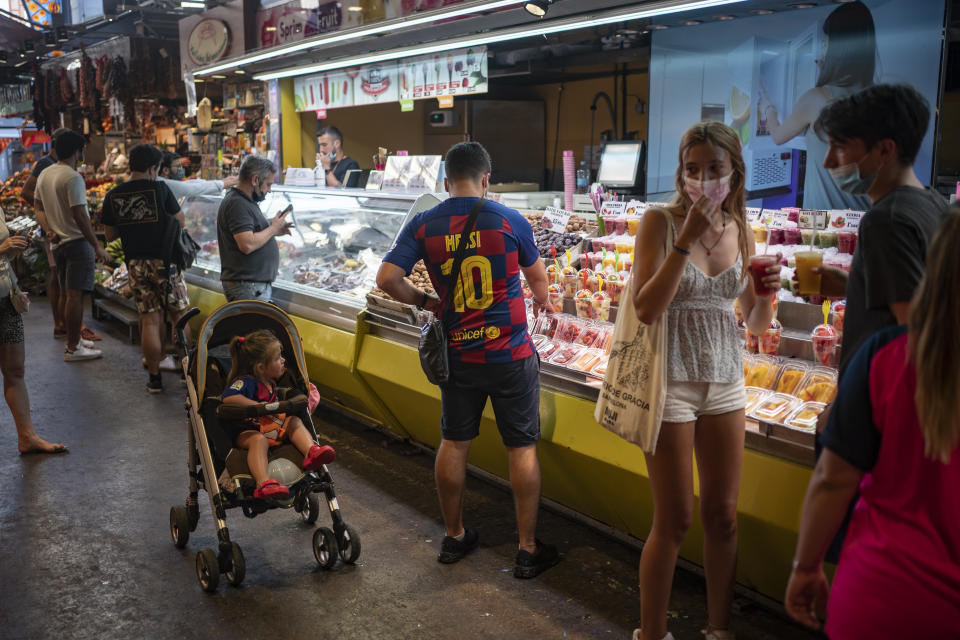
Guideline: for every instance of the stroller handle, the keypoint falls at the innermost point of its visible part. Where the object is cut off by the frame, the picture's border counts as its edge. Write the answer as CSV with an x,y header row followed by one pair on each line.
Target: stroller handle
x,y
239,411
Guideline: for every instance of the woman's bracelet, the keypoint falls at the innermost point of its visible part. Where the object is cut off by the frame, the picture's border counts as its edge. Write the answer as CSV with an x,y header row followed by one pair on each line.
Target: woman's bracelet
x,y
682,252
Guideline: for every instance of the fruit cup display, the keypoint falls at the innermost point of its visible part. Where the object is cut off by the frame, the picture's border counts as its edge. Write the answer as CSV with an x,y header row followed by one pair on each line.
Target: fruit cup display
x,y
759,233
792,236
614,285
752,342
633,223
770,340
836,319
600,303
846,242
825,339
776,236
553,273
582,300
569,281
587,279
554,298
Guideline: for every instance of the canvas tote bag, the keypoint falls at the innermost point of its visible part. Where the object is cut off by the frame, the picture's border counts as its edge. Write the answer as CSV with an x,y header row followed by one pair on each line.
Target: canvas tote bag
x,y
635,385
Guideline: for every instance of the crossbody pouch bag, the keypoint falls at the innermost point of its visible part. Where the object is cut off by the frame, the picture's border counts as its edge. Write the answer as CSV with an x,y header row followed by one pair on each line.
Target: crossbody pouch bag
x,y
434,358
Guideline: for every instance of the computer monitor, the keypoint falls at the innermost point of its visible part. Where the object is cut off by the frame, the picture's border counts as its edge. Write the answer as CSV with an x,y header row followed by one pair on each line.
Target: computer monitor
x,y
621,165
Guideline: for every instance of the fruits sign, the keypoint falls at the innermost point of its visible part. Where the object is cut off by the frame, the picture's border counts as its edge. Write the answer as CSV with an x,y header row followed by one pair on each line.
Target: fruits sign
x,y
209,41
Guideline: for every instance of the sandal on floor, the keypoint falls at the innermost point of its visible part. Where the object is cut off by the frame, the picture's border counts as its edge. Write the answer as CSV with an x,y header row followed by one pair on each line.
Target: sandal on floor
x,y
89,334
271,489
318,456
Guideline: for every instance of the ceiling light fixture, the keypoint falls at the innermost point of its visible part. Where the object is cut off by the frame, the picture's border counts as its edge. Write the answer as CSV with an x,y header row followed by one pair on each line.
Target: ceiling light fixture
x,y
355,8
559,25
803,5
62,35
537,8
240,72
691,23
724,18
3,57
762,12
190,4
417,19
218,77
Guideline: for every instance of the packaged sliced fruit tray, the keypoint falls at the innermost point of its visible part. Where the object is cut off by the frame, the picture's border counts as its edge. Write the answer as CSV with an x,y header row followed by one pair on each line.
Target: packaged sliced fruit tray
x,y
586,361
820,385
566,354
775,407
791,377
548,348
755,395
600,369
805,416
763,372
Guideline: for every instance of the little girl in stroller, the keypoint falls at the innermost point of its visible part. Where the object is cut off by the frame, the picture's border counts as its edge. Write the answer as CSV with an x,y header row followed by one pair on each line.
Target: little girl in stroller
x,y
257,363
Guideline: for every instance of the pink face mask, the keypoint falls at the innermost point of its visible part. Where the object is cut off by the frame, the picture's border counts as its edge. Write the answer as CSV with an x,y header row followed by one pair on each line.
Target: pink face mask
x,y
716,190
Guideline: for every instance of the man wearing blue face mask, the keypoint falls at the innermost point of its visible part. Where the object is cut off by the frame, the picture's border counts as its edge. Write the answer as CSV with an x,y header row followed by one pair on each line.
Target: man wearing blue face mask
x,y
173,175
874,136
249,254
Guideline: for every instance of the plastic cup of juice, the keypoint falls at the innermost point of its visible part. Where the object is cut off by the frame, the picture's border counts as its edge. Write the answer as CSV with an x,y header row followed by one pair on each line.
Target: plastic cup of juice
x,y
792,236
846,241
806,236
758,269
632,225
759,233
610,224
827,239
776,236
808,281
621,225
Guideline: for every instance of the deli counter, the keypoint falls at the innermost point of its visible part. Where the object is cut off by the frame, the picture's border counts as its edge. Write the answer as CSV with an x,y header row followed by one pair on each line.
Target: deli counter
x,y
361,352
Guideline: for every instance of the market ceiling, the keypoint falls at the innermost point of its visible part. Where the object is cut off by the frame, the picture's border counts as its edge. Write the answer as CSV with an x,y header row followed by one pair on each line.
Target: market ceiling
x,y
487,22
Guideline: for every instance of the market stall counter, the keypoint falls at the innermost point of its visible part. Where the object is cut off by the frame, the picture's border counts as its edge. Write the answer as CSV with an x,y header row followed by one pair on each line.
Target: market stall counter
x,y
327,266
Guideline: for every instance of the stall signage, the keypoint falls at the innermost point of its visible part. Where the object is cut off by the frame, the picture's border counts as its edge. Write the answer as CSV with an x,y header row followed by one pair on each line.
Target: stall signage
x,y
417,174
554,218
635,208
458,72
31,137
208,41
321,114
813,219
445,102
291,22
613,208
775,218
753,214
845,219
406,105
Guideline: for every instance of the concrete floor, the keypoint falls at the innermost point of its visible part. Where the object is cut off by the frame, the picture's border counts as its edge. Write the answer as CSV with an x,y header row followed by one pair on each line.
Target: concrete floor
x,y
85,550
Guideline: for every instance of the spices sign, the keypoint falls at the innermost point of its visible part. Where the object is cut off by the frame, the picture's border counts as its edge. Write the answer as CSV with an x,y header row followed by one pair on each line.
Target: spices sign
x,y
208,41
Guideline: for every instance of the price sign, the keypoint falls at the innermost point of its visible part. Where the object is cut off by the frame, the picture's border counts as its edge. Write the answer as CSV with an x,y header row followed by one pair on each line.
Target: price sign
x,y
845,220
635,208
813,219
753,214
779,219
613,208
555,219
853,219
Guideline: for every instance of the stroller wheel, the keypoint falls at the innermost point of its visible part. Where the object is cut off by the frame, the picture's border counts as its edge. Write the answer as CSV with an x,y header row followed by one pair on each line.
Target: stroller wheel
x,y
179,526
208,570
349,544
311,510
325,547
238,566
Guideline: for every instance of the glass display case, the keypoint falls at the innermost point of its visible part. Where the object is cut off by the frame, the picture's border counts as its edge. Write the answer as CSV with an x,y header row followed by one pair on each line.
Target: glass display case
x,y
333,252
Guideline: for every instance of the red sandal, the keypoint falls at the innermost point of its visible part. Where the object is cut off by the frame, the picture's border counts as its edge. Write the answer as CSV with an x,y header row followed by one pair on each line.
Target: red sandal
x,y
271,489
318,456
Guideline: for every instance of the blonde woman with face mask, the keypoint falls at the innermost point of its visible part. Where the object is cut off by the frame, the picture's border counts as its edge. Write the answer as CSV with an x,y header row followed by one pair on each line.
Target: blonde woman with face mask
x,y
696,284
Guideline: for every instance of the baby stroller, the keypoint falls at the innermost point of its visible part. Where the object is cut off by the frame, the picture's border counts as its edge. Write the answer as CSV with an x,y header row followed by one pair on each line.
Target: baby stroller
x,y
223,471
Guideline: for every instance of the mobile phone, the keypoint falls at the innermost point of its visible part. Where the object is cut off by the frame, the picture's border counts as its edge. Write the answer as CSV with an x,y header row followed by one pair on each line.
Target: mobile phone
x,y
287,210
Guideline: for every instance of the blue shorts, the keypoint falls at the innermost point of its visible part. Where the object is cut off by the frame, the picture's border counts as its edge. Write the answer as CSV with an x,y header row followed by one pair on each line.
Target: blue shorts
x,y
513,389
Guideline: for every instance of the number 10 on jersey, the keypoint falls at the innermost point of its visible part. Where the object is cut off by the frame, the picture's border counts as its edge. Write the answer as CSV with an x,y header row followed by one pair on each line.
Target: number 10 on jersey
x,y
468,267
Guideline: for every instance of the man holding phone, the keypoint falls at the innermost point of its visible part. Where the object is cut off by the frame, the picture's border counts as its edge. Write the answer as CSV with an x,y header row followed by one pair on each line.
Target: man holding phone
x,y
249,254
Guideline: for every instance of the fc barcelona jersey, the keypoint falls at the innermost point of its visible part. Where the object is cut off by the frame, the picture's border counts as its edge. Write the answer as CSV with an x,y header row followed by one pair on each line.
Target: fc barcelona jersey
x,y
487,322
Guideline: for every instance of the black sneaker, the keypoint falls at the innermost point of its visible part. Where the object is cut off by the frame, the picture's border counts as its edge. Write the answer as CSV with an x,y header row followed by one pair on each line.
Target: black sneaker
x,y
530,565
452,550
155,384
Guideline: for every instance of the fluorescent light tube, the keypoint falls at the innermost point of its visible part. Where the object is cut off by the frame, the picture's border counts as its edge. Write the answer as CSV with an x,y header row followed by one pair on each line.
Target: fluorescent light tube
x,y
504,35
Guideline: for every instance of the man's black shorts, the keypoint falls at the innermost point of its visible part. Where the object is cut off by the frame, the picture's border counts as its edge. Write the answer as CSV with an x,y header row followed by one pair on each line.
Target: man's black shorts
x,y
513,389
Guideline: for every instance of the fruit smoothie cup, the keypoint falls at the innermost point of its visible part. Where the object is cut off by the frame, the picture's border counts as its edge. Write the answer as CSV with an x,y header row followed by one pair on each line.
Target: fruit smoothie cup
x,y
759,265
827,239
624,246
621,225
610,244
808,281
632,225
846,241
825,339
770,340
609,262
569,281
793,214
806,236
555,298
776,236
759,233
610,225
752,343
600,302
626,262
792,236
582,300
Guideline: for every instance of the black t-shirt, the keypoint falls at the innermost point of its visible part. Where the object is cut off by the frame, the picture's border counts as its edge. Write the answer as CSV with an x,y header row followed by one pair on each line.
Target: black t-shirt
x,y
888,262
141,210
41,164
239,213
346,164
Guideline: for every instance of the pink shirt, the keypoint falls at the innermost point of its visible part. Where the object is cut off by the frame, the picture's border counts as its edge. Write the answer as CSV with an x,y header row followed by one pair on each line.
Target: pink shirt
x,y
899,572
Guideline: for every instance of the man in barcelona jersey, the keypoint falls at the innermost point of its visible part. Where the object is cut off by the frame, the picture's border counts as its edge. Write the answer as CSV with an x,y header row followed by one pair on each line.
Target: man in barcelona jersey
x,y
491,353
